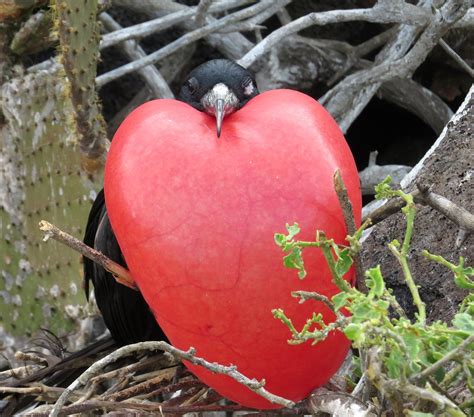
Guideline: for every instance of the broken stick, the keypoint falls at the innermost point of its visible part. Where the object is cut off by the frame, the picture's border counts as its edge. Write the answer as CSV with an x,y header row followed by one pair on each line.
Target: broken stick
x,y
121,274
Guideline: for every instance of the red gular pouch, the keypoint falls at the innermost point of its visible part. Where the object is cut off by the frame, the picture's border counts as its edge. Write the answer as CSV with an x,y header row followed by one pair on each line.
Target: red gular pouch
x,y
195,216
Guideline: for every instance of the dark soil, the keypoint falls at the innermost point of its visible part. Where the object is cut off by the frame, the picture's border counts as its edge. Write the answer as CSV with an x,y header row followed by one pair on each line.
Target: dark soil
x,y
449,170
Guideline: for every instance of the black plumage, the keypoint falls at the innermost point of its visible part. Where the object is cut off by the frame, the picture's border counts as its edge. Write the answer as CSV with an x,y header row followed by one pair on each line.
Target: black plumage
x,y
125,312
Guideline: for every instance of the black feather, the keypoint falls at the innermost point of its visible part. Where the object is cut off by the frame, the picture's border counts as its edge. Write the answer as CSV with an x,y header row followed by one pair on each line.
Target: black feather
x,y
125,312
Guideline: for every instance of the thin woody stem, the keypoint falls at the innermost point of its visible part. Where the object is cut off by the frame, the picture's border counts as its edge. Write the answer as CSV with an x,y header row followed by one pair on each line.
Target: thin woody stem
x,y
121,274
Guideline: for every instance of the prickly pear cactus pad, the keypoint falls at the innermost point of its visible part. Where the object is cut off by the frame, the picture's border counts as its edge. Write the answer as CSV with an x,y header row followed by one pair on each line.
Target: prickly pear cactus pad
x,y
40,178
79,36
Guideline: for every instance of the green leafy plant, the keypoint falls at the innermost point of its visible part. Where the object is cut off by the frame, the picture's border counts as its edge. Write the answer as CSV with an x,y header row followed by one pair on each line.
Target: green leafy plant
x,y
411,364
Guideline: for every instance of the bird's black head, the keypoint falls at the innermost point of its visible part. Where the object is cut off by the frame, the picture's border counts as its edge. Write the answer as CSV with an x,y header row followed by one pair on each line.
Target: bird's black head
x,y
218,87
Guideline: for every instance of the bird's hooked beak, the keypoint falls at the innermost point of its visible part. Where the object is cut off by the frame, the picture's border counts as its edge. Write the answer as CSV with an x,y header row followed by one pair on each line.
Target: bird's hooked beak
x,y
220,101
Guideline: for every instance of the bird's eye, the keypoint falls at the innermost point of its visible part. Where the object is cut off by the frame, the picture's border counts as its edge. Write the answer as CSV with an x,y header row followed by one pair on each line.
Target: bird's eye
x,y
193,85
248,86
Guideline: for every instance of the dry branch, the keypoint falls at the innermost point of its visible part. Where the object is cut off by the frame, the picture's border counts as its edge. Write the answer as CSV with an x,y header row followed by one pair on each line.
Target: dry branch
x,y
121,274
150,74
255,21
231,371
452,211
349,98
159,24
201,11
348,213
377,14
423,195
184,40
128,408
455,56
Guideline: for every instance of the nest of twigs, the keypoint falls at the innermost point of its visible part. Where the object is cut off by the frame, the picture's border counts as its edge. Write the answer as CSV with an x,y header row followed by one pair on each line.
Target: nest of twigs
x,y
101,378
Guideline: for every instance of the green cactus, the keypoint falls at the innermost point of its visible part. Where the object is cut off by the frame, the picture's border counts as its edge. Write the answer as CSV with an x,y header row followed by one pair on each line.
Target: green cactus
x,y
79,36
35,34
40,178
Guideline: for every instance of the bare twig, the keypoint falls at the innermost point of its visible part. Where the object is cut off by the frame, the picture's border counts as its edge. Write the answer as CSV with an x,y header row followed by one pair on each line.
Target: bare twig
x,y
121,274
201,11
254,22
150,74
308,295
31,357
467,20
231,371
344,202
357,52
351,226
381,14
283,16
184,40
167,389
349,98
156,409
232,46
456,57
423,195
134,367
452,211
20,372
36,389
144,29
142,388
386,210
376,42
161,23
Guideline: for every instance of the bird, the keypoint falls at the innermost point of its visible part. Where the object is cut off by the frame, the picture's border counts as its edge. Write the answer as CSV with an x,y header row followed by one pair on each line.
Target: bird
x,y
219,88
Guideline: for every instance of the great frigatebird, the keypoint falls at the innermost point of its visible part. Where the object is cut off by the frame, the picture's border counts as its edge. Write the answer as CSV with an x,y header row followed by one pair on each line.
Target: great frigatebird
x,y
218,87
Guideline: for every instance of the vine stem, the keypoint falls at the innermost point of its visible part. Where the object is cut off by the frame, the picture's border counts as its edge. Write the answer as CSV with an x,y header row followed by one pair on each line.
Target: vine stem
x,y
402,256
325,248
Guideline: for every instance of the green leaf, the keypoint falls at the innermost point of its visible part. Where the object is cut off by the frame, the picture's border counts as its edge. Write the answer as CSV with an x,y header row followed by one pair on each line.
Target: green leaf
x,y
375,282
295,260
353,331
363,310
344,262
395,243
462,276
383,190
340,300
419,414
280,239
302,273
394,363
465,322
292,230
412,343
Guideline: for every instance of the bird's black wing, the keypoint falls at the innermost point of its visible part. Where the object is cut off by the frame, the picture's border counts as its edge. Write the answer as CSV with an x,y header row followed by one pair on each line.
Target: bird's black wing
x,y
125,312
